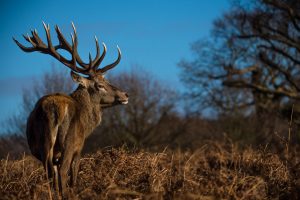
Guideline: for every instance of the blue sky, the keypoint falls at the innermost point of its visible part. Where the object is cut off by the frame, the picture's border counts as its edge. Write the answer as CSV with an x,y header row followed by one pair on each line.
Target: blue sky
x,y
154,34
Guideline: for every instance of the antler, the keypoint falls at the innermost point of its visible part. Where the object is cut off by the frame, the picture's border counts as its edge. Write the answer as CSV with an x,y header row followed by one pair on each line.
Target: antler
x,y
90,68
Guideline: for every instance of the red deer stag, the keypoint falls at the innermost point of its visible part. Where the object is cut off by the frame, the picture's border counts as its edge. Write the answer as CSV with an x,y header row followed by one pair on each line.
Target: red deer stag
x,y
60,123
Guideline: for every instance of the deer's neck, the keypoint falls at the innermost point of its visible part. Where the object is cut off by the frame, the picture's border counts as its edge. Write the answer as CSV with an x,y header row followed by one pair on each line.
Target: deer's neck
x,y
89,112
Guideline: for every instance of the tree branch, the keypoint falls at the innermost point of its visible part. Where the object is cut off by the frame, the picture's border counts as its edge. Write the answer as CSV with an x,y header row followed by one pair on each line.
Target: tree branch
x,y
260,88
264,58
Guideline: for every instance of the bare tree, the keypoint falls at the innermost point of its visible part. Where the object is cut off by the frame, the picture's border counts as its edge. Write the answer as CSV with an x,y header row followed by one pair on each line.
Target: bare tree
x,y
141,122
252,58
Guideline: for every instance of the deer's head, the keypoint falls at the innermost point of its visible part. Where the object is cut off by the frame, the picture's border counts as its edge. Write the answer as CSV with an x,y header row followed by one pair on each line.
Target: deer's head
x,y
87,75
100,90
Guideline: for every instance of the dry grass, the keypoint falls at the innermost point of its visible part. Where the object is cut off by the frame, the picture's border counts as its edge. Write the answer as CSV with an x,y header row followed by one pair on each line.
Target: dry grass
x,y
212,172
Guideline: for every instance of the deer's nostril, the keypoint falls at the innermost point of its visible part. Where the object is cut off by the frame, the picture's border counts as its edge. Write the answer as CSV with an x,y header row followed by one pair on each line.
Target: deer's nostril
x,y
126,95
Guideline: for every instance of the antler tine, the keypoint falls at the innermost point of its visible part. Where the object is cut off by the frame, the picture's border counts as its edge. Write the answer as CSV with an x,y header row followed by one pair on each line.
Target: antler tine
x,y
110,66
91,61
63,43
98,60
30,39
47,30
79,60
26,49
27,38
73,54
97,53
74,28
37,40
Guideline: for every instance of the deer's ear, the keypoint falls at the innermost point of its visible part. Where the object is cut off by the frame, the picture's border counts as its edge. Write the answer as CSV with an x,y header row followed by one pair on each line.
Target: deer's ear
x,y
79,79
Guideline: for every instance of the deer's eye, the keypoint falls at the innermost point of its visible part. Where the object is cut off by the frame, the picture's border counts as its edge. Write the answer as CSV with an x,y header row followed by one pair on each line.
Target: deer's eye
x,y
99,87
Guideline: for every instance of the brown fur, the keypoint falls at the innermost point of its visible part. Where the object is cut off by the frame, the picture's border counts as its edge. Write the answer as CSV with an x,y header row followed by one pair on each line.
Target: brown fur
x,y
59,124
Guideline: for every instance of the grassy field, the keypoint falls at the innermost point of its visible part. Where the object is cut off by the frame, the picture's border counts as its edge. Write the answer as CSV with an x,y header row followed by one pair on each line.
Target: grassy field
x,y
213,171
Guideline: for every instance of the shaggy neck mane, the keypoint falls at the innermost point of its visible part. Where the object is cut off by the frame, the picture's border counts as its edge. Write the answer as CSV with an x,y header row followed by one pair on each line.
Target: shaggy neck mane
x,y
90,112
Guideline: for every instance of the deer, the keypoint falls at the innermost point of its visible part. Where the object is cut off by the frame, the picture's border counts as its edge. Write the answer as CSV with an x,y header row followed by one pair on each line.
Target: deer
x,y
59,123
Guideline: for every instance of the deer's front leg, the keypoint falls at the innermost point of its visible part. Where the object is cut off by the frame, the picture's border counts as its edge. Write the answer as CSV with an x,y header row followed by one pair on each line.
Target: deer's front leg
x,y
75,168
63,170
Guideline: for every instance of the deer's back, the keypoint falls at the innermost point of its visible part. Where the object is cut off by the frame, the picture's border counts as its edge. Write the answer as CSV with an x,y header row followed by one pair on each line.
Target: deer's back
x,y
50,112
